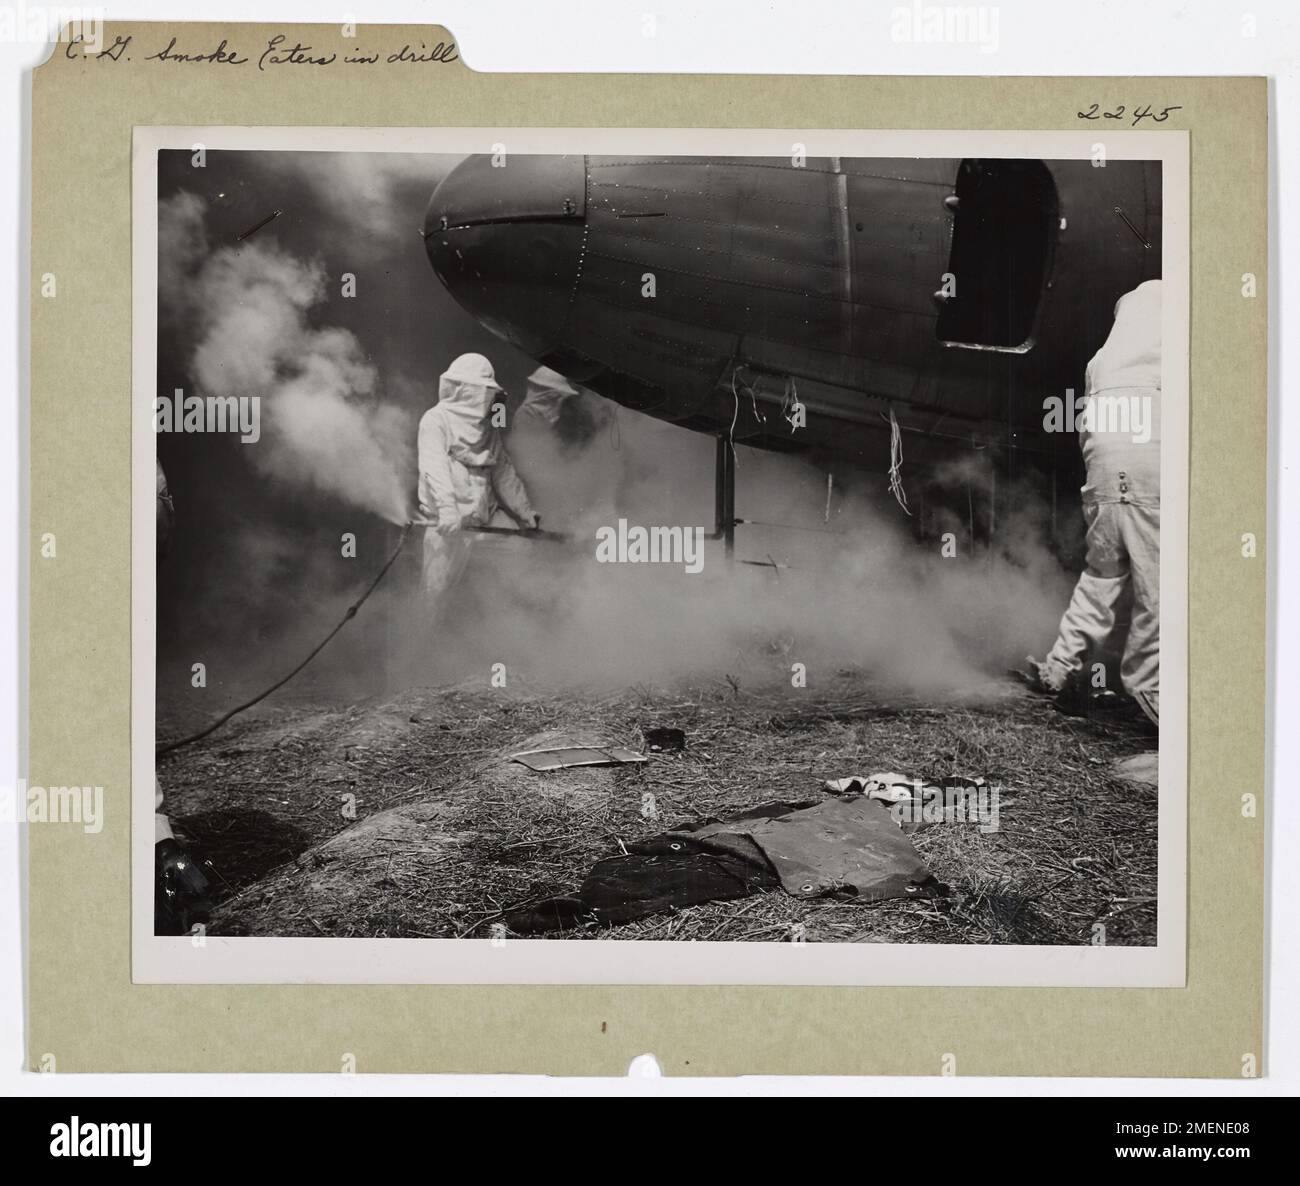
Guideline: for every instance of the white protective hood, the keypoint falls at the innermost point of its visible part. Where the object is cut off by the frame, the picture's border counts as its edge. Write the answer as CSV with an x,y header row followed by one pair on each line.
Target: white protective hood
x,y
548,392
466,392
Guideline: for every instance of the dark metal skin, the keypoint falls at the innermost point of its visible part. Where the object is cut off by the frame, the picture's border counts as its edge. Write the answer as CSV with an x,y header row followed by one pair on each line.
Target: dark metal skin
x,y
821,282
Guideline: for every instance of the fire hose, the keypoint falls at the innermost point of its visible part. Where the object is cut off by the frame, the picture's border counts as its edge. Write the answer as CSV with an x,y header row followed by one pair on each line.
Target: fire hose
x,y
529,533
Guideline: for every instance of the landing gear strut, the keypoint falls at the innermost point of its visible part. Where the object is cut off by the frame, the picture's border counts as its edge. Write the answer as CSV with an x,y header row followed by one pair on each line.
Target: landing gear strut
x,y
724,495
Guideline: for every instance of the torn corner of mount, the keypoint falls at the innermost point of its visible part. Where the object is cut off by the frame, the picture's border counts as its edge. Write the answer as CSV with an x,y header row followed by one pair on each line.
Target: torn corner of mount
x,y
564,757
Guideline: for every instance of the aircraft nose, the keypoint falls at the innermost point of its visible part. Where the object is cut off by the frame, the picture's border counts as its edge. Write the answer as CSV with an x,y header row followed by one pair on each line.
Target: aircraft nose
x,y
505,237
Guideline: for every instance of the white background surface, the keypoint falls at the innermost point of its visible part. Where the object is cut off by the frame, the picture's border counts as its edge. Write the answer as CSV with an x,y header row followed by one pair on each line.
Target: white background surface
x,y
807,37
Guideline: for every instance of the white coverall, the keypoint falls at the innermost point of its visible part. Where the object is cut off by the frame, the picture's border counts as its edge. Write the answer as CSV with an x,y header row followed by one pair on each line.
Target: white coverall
x,y
1121,506
564,410
466,477
548,393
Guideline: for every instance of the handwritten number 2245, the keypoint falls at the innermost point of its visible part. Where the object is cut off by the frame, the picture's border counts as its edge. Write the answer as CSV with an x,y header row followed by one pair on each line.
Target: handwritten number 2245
x,y
1139,114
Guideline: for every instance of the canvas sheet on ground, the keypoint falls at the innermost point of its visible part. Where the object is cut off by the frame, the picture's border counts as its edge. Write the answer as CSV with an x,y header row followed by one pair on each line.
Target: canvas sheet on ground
x,y
529,570
701,495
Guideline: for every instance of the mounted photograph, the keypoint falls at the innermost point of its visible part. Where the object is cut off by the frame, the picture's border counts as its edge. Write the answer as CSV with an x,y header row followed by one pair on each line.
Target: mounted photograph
x,y
659,556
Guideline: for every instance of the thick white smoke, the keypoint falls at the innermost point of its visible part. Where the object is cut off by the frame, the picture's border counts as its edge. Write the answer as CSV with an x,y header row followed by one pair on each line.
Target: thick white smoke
x,y
324,425
857,589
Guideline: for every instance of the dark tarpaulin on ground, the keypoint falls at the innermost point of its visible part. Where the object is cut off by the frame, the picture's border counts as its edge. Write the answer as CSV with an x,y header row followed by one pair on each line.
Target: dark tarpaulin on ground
x,y
846,847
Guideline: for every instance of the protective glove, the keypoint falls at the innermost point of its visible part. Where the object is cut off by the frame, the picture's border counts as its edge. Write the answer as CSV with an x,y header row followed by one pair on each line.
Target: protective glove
x,y
449,522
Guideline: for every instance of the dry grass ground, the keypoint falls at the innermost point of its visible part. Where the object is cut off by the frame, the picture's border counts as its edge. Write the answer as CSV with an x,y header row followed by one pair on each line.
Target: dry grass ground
x,y
402,816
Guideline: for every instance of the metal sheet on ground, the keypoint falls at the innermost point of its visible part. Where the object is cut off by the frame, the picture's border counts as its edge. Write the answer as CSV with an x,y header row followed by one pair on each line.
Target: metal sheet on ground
x,y
578,755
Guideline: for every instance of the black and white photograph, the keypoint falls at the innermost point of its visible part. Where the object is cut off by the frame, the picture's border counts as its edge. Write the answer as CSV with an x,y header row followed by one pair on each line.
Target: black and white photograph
x,y
698,539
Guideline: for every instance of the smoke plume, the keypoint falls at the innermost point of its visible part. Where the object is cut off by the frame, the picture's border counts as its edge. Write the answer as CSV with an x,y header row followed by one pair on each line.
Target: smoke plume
x,y
325,427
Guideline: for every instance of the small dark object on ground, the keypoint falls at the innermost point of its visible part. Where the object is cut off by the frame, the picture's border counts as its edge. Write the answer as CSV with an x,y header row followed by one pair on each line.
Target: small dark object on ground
x,y
664,740
1077,697
181,896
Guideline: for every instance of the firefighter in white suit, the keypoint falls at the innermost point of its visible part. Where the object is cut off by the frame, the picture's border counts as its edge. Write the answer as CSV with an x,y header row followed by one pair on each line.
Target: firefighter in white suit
x,y
1121,506
466,477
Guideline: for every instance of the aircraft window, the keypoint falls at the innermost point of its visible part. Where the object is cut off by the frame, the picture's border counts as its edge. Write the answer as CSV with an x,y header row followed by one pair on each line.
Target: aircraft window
x,y
1004,221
